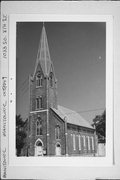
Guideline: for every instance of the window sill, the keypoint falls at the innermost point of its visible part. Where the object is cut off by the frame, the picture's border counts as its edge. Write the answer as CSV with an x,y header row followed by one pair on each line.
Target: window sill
x,y
38,109
39,87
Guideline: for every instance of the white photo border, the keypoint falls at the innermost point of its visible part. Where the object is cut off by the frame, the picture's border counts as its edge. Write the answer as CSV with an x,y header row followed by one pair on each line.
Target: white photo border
x,y
60,161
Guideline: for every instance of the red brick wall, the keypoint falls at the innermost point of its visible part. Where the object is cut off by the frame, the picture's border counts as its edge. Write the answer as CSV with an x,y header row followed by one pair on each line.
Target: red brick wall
x,y
40,91
51,93
72,129
33,135
46,92
54,121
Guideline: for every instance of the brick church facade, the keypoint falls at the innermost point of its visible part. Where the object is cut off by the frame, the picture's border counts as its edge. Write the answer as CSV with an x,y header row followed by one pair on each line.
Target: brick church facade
x,y
53,130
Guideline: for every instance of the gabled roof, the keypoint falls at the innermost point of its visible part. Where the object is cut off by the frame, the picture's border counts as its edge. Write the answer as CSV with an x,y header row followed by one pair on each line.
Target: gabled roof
x,y
71,117
43,56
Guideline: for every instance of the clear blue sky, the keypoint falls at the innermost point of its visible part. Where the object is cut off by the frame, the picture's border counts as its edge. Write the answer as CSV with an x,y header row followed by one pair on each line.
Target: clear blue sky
x,y
77,50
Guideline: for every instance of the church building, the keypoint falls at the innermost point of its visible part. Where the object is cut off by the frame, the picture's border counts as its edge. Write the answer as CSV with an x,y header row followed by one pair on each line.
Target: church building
x,y
54,130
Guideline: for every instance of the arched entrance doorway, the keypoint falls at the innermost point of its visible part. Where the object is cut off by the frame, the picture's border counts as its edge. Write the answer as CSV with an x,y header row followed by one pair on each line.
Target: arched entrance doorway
x,y
58,149
39,148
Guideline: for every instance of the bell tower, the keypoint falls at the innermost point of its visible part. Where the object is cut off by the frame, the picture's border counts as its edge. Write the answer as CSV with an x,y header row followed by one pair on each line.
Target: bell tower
x,y
43,96
43,80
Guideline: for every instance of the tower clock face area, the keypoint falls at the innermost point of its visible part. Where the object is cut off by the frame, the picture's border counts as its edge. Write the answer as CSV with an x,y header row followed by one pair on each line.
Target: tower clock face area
x,y
60,66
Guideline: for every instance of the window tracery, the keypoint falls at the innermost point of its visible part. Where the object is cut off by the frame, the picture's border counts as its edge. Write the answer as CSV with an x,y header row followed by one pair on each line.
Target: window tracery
x,y
39,80
51,79
57,132
39,102
39,127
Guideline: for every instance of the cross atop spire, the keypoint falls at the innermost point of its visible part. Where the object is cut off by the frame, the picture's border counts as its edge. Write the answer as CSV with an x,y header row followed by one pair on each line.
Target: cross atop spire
x,y
43,55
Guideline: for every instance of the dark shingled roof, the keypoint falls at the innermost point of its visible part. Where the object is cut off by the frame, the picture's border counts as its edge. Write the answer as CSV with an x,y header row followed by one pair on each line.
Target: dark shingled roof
x,y
71,117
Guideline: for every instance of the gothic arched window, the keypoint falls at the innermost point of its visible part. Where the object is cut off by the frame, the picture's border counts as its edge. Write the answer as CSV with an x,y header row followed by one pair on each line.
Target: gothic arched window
x,y
39,127
39,102
51,79
84,141
88,143
74,142
79,140
39,80
92,143
57,132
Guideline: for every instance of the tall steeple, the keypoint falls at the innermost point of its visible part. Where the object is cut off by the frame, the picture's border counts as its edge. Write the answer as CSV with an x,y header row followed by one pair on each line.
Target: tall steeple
x,y
43,55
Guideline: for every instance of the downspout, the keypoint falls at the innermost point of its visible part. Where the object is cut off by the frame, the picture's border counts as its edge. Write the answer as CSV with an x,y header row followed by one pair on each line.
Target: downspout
x,y
96,141
47,96
47,117
66,138
29,128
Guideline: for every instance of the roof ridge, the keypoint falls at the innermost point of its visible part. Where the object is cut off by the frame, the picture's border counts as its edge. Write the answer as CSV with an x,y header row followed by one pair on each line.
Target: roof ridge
x,y
75,118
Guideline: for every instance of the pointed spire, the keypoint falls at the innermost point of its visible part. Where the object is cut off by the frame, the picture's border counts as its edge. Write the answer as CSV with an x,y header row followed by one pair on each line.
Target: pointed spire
x,y
43,55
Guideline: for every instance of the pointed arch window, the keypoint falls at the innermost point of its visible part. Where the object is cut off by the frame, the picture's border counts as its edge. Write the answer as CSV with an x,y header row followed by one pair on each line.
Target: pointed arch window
x,y
39,127
57,132
74,142
39,102
84,141
79,139
51,79
92,143
88,143
39,80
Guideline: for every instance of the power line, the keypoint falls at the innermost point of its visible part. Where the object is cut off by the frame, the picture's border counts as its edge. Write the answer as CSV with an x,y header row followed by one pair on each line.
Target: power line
x,y
22,91
23,87
23,84
90,110
25,91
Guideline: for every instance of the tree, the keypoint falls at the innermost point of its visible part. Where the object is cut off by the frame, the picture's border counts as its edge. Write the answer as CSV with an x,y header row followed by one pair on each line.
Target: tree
x,y
20,134
99,122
